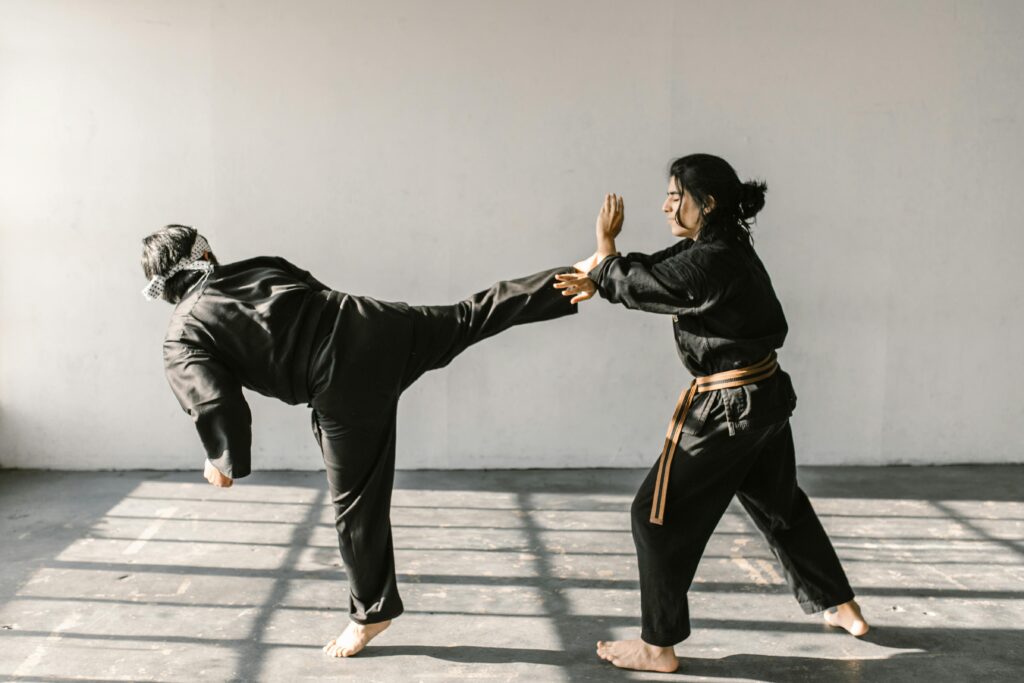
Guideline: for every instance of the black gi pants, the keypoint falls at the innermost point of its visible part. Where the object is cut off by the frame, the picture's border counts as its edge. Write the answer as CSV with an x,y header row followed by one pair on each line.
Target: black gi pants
x,y
758,466
388,347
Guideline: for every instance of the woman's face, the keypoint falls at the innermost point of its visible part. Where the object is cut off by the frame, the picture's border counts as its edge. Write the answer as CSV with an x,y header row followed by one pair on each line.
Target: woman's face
x,y
681,211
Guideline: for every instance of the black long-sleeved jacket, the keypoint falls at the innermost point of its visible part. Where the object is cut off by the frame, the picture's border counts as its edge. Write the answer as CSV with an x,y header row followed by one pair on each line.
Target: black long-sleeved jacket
x,y
725,316
252,323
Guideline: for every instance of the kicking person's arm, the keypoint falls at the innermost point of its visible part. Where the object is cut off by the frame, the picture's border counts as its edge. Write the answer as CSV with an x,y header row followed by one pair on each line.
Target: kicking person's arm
x,y
210,394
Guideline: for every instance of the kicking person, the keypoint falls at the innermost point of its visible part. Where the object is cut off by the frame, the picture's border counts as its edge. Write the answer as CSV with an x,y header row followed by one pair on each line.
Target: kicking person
x,y
268,326
730,432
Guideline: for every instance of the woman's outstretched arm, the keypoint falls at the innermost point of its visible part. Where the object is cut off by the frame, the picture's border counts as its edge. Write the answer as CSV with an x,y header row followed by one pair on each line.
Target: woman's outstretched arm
x,y
669,286
665,282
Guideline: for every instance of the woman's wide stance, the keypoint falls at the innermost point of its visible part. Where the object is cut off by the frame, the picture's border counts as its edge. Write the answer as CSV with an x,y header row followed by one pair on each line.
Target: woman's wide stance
x,y
730,433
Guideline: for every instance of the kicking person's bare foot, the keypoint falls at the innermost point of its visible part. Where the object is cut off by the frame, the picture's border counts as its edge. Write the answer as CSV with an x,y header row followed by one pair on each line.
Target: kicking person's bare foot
x,y
638,655
847,616
354,638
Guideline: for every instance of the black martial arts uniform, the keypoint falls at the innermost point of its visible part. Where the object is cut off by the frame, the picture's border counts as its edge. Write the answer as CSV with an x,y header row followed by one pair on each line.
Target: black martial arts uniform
x,y
268,326
734,441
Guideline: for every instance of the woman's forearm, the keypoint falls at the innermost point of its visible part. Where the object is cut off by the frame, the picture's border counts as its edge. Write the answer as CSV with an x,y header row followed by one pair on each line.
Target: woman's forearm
x,y
609,223
605,246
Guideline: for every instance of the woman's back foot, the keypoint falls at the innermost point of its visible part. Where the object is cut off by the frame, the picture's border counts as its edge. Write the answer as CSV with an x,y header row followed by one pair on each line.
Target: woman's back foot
x,y
354,638
638,655
847,616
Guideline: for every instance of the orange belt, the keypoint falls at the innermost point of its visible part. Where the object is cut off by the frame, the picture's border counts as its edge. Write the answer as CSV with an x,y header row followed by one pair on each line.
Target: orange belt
x,y
701,385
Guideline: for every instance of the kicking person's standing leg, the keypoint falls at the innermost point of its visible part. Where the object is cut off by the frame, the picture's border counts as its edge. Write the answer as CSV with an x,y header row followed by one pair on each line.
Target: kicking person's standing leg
x,y
781,510
360,462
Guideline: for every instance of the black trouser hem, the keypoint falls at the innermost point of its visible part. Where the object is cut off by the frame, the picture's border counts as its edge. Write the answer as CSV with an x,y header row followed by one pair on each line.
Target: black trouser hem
x,y
822,604
377,618
664,639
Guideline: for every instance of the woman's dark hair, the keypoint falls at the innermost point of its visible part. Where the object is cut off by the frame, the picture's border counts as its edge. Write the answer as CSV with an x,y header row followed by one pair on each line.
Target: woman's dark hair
x,y
706,176
162,250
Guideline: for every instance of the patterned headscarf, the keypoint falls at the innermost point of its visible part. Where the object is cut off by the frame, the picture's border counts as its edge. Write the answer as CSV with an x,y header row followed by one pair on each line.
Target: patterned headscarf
x,y
194,261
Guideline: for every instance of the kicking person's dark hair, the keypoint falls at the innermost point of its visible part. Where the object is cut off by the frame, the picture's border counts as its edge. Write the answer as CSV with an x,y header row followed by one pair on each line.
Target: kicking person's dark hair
x,y
726,203
162,250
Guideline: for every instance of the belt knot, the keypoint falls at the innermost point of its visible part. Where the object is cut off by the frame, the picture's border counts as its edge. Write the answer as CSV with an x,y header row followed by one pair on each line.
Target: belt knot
x,y
702,385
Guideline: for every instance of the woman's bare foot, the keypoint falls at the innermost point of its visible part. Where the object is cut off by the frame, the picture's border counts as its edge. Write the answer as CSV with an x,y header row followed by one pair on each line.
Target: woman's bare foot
x,y
636,654
354,638
847,616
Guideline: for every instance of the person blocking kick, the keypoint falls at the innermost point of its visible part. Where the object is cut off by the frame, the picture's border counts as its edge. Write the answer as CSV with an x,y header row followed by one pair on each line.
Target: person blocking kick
x,y
729,433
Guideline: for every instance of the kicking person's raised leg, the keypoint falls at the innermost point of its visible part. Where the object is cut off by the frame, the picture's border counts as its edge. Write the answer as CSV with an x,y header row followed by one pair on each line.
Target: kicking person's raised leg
x,y
360,462
783,513
440,333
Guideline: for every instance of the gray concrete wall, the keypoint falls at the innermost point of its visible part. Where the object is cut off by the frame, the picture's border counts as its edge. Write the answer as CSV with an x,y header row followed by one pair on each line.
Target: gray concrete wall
x,y
419,151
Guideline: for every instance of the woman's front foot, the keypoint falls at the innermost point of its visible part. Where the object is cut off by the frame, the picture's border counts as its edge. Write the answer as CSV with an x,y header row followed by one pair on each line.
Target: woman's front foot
x,y
354,638
638,655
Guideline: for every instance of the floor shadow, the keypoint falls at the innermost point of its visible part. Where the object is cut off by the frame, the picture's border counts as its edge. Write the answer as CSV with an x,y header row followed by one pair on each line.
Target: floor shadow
x,y
573,481
998,483
936,655
789,669
43,513
1003,483
34,533
953,655
471,654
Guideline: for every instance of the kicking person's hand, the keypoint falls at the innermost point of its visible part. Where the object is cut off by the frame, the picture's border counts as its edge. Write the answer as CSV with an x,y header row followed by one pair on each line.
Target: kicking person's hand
x,y
577,285
214,476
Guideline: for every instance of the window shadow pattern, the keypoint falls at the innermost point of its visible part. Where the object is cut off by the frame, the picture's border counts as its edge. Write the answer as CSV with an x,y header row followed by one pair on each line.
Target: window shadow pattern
x,y
505,574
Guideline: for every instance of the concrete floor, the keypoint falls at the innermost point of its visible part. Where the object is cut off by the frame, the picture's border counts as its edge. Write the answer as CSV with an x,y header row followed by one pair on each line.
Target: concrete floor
x,y
149,576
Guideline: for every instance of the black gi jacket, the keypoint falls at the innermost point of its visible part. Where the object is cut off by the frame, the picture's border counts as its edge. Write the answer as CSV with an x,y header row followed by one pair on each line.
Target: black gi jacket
x,y
256,323
725,316
269,326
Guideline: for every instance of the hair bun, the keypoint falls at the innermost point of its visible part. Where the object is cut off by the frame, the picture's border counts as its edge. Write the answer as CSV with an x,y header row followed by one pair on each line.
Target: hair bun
x,y
752,198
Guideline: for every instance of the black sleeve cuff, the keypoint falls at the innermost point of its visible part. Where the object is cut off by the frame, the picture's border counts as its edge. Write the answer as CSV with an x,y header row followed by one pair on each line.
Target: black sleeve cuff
x,y
597,274
231,465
